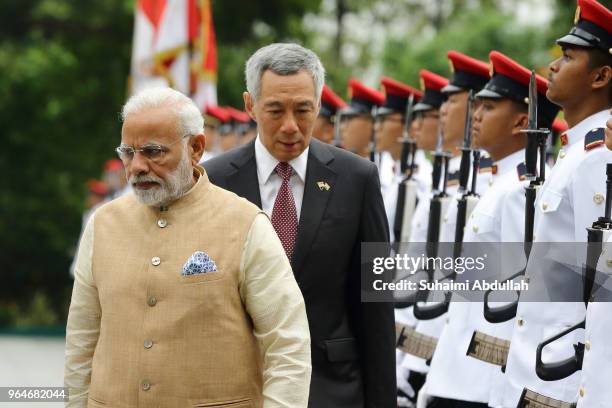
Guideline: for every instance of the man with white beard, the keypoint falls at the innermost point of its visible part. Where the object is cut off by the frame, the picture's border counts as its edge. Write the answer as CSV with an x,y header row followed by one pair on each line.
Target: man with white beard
x,y
169,276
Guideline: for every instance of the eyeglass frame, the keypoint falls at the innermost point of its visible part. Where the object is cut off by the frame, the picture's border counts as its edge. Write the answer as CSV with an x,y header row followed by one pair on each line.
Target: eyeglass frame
x,y
162,148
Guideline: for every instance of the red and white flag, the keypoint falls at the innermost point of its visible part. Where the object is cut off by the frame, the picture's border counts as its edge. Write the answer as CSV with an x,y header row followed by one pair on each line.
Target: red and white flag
x,y
174,45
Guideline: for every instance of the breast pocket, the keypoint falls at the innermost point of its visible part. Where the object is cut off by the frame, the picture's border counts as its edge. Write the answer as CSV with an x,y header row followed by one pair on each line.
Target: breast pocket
x,y
549,201
242,403
201,277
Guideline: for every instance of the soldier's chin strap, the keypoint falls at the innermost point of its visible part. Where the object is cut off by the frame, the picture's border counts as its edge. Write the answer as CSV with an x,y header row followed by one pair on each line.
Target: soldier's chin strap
x,y
561,369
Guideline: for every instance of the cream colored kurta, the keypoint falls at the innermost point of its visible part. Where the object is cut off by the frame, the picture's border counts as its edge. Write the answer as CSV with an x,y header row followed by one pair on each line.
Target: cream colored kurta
x,y
266,293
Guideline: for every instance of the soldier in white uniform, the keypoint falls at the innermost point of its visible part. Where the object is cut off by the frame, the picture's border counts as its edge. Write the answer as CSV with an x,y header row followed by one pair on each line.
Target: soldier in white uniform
x,y
468,74
571,198
595,390
596,368
497,127
424,129
389,127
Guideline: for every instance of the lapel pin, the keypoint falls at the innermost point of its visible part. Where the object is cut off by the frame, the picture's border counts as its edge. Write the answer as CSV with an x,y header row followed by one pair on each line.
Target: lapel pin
x,y
323,185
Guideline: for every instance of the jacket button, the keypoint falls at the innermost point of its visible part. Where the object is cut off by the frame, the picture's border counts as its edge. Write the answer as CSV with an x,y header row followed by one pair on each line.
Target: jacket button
x,y
146,386
475,228
152,301
148,343
520,322
561,154
609,262
581,392
155,260
161,223
544,206
587,345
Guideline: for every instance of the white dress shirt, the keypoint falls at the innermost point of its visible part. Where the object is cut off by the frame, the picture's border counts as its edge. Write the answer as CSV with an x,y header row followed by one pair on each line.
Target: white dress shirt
x,y
270,182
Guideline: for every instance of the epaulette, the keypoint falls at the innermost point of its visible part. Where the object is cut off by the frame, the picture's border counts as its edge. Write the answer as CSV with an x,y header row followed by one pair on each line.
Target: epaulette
x,y
453,178
521,170
594,138
486,165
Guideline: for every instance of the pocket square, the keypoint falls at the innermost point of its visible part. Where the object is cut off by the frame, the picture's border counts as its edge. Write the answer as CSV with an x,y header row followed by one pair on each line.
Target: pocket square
x,y
198,262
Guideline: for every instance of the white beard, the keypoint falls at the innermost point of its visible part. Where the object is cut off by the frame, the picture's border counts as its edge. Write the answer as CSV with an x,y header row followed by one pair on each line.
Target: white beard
x,y
176,184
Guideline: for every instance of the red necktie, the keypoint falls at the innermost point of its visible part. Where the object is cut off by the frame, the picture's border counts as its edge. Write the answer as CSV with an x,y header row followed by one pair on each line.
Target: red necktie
x,y
284,215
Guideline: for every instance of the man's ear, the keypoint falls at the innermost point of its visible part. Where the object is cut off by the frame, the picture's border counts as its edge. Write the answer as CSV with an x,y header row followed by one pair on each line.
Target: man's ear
x,y
521,122
248,105
196,147
602,77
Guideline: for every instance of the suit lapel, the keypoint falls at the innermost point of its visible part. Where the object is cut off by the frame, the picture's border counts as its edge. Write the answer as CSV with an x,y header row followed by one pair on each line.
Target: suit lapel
x,y
243,181
317,192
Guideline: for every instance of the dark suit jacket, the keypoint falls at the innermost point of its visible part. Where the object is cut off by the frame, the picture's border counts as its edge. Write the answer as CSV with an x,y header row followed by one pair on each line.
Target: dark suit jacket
x,y
353,343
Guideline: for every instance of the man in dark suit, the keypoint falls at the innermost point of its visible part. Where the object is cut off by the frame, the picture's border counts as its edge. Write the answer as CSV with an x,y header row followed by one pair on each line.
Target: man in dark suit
x,y
336,197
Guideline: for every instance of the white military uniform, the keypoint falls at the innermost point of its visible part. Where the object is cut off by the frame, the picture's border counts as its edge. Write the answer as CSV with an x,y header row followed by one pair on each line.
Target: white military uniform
x,y
433,327
570,200
422,176
505,198
595,390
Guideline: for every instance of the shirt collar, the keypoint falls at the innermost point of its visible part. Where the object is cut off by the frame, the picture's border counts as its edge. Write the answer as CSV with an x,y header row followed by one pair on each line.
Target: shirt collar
x,y
578,131
510,162
266,163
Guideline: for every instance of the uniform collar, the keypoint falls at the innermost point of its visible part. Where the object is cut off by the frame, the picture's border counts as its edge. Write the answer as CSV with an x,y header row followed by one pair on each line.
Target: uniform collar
x,y
578,132
509,162
266,163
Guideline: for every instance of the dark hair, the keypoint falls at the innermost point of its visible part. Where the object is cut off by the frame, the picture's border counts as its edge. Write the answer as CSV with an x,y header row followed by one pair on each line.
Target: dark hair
x,y
598,59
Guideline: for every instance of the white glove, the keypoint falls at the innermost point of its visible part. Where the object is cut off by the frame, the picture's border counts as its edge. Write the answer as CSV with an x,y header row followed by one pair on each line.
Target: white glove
x,y
402,381
403,402
423,398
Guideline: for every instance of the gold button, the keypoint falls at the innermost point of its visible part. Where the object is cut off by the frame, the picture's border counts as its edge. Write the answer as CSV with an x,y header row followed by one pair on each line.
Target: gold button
x,y
161,223
526,101
598,198
544,206
155,260
561,154
475,228
148,344
445,220
146,386
527,279
490,182
581,391
152,301
587,345
520,322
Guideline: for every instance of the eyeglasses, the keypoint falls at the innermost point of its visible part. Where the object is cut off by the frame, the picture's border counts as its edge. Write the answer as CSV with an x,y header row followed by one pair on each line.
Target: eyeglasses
x,y
152,152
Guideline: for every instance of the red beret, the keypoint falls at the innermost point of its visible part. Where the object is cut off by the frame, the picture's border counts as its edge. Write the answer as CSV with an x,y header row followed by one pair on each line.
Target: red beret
x,y
328,97
506,66
592,27
431,81
217,112
97,187
237,115
357,90
113,165
393,87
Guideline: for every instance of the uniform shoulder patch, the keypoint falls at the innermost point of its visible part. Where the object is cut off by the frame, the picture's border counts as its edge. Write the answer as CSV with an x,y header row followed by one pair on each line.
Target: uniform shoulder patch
x,y
486,165
521,170
594,138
